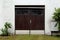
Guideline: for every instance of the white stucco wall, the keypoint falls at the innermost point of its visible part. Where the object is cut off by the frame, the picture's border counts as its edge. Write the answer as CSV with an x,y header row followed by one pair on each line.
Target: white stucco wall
x,y
1,16
7,11
29,2
49,10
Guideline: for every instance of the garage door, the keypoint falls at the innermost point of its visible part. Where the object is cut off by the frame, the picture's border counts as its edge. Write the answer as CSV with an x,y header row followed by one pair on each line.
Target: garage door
x,y
29,17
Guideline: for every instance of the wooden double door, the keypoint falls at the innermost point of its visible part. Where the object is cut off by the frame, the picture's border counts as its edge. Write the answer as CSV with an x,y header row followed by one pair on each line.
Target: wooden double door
x,y
29,18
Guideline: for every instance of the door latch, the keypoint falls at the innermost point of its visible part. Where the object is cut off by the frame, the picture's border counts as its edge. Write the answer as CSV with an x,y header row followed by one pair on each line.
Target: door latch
x,y
30,21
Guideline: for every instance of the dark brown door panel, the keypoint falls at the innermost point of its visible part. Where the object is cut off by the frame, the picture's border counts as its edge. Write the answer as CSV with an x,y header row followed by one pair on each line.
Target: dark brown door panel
x,y
21,22
37,22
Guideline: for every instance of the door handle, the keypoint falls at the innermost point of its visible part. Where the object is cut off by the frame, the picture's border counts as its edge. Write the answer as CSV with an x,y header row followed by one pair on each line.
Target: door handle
x,y
30,21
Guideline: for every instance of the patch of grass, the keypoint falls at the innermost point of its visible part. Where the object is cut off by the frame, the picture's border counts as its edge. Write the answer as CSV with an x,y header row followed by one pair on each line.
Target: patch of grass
x,y
31,37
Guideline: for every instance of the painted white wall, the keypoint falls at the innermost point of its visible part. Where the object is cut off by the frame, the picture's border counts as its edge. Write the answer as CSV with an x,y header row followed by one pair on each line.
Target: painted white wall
x,y
29,2
7,11
1,16
49,10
